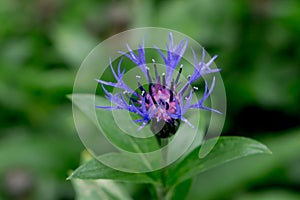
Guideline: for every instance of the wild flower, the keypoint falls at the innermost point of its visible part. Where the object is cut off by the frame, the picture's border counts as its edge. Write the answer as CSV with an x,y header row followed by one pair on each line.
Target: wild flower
x,y
165,100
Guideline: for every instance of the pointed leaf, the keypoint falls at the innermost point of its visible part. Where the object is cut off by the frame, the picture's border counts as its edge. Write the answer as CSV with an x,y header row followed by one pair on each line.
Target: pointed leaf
x,y
112,124
226,149
96,170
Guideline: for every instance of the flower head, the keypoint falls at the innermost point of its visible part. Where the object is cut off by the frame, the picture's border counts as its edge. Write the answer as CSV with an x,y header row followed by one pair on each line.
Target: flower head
x,y
162,103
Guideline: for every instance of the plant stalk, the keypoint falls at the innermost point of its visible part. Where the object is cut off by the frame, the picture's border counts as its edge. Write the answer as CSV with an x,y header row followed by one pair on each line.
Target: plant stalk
x,y
162,190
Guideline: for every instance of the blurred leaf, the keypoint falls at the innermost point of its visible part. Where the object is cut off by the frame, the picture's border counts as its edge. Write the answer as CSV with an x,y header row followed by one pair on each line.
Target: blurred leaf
x,y
37,153
270,195
226,149
99,189
96,170
73,43
240,174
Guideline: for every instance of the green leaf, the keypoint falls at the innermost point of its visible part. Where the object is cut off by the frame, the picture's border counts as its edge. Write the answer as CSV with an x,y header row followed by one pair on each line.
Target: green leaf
x,y
110,123
181,190
143,154
96,170
99,189
226,149
242,174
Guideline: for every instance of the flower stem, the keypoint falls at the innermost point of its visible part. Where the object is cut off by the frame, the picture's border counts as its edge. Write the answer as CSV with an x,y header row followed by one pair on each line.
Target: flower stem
x,y
162,190
164,145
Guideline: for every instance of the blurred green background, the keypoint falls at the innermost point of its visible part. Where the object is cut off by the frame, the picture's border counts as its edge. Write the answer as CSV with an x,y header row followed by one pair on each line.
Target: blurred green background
x,y
43,42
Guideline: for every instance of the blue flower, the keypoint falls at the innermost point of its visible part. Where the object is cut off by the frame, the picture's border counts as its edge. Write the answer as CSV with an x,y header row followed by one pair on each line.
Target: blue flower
x,y
163,103
201,68
174,55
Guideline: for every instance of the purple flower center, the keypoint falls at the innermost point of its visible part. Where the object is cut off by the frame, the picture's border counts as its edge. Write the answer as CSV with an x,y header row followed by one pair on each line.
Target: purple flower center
x,y
160,100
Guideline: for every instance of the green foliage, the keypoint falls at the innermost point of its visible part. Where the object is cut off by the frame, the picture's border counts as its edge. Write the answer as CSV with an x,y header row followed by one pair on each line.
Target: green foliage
x,y
226,149
42,44
86,104
96,170
181,190
255,170
99,189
